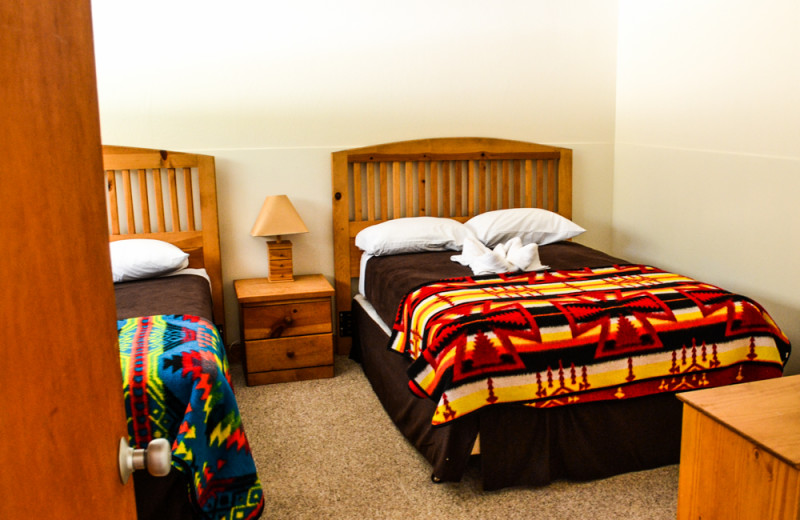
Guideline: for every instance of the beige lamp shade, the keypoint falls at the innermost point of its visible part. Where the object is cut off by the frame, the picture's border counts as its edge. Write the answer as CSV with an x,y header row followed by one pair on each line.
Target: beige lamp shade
x,y
278,217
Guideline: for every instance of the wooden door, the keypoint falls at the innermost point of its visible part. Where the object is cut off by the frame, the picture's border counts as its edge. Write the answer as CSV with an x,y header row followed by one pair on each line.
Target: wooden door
x,y
61,407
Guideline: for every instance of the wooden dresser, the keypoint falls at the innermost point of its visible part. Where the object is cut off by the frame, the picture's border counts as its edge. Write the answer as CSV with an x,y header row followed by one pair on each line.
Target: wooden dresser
x,y
740,451
286,329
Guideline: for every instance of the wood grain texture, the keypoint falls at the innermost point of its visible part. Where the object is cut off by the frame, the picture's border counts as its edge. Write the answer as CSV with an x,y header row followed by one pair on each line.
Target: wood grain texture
x,y
289,353
280,261
286,329
295,318
288,376
765,412
62,407
304,286
468,175
738,451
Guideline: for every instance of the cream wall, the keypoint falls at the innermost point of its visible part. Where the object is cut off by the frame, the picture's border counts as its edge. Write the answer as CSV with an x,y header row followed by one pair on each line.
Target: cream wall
x,y
272,88
707,161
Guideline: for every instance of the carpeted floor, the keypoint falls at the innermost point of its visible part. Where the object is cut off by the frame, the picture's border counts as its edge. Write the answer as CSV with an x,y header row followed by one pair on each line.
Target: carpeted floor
x,y
326,449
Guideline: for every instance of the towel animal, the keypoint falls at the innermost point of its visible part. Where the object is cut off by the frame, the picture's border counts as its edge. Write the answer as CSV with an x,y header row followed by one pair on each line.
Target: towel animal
x,y
506,257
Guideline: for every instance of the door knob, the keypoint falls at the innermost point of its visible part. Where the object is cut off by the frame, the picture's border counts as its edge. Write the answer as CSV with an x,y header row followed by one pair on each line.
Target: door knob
x,y
156,458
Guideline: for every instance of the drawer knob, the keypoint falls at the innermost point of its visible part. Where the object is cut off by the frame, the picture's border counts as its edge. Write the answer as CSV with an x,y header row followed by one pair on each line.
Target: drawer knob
x,y
290,354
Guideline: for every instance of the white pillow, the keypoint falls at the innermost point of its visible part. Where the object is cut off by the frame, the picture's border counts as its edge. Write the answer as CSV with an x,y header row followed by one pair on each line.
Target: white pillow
x,y
139,258
532,225
412,235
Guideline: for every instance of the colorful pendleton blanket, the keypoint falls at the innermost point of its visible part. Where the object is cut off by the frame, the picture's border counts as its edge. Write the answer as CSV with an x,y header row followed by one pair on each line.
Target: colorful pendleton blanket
x,y
560,337
176,386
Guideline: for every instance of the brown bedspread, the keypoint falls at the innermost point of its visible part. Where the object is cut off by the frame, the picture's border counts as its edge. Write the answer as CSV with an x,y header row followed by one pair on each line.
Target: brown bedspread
x,y
182,294
389,278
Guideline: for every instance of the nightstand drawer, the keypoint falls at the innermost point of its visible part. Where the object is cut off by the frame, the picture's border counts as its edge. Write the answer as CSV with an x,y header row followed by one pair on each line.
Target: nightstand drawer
x,y
287,319
289,353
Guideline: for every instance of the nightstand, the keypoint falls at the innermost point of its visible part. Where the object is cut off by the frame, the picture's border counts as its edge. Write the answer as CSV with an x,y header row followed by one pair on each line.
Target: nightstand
x,y
286,329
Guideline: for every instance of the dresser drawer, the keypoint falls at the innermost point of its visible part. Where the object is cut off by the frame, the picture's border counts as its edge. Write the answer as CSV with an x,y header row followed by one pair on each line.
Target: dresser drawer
x,y
289,353
287,319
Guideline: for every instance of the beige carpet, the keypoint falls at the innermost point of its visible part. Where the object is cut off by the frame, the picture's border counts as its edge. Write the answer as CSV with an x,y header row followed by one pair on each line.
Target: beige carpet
x,y
326,449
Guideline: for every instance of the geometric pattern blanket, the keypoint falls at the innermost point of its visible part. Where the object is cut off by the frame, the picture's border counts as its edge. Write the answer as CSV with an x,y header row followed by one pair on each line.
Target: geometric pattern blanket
x,y
553,338
177,386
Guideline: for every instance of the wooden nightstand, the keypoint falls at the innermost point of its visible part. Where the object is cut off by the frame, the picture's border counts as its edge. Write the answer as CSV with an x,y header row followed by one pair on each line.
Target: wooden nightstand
x,y
286,329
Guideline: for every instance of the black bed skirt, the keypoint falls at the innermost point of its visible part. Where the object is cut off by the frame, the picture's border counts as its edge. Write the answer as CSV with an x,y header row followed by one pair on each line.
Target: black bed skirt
x,y
520,445
163,498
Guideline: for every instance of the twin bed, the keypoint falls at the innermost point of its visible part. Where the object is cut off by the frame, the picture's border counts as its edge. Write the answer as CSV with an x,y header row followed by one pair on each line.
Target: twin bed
x,y
168,284
564,372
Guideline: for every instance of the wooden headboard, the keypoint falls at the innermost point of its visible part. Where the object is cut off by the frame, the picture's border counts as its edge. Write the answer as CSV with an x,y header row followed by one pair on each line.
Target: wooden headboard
x,y
448,177
147,194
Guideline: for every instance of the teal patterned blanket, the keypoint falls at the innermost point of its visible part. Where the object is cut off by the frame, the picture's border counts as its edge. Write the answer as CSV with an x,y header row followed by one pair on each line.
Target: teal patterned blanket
x,y
177,386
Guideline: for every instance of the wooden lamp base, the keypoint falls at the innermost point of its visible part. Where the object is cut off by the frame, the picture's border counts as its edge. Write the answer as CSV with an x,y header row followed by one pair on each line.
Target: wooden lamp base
x,y
280,260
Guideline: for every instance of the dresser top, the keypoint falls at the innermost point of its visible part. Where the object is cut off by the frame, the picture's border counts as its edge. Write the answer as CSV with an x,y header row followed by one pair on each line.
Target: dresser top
x,y
765,412
260,290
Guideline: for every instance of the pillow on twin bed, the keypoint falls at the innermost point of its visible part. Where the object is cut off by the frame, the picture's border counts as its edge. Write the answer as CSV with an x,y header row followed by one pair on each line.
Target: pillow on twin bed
x,y
412,235
139,258
532,225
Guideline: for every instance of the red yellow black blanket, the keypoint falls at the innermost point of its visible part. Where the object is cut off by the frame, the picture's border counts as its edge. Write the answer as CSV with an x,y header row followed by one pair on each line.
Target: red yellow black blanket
x,y
177,386
559,337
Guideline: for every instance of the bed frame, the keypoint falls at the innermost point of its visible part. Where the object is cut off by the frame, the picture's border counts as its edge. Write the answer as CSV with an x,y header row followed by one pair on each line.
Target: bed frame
x,y
447,177
147,194
459,178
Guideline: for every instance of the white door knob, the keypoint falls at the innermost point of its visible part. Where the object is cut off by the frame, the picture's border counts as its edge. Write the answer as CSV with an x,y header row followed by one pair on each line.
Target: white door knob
x,y
156,458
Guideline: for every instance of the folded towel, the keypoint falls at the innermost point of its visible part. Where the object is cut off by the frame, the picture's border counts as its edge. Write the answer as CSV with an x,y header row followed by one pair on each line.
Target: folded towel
x,y
526,257
506,257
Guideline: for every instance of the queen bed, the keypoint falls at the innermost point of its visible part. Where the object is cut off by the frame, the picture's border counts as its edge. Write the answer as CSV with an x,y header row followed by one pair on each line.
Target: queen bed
x,y
461,376
165,257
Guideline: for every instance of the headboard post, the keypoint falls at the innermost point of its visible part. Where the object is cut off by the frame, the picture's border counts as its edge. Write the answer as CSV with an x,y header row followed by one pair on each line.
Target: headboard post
x,y
209,217
448,177
341,245
565,183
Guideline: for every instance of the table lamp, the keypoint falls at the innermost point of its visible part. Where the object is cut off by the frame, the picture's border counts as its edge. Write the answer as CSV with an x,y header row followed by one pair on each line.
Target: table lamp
x,y
278,217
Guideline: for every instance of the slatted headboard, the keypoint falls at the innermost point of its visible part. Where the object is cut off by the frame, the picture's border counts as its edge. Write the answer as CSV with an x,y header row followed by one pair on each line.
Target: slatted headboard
x,y
147,194
448,177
